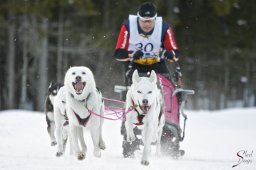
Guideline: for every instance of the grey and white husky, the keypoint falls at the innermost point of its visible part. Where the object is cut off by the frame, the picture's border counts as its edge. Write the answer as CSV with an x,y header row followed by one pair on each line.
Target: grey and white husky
x,y
53,90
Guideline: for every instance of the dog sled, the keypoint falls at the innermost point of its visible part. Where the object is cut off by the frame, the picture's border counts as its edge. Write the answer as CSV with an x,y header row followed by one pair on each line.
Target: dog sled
x,y
174,100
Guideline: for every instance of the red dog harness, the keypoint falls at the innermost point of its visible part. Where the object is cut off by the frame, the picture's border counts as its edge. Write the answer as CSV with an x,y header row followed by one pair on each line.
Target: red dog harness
x,y
83,121
141,116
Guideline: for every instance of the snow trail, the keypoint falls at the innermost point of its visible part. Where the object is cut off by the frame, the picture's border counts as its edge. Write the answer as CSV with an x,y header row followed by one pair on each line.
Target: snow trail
x,y
212,142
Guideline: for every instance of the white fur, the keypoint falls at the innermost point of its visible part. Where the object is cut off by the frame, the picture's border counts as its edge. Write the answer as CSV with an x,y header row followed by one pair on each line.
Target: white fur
x,y
52,97
141,89
50,116
61,132
80,103
50,113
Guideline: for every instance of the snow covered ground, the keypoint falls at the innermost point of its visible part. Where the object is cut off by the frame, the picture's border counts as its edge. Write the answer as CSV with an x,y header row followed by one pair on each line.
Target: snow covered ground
x,y
212,142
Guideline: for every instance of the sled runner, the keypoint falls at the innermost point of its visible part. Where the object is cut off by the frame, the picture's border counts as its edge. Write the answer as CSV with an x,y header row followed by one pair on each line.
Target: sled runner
x,y
174,100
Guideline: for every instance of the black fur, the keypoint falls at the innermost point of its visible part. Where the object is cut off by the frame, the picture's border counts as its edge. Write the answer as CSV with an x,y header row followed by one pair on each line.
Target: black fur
x,y
48,108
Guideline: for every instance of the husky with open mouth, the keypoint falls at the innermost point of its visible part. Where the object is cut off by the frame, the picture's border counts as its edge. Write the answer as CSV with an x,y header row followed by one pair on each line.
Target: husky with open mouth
x,y
146,101
83,98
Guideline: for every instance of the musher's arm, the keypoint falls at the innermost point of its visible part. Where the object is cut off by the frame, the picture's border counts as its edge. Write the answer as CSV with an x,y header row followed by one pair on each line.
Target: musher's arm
x,y
121,51
172,50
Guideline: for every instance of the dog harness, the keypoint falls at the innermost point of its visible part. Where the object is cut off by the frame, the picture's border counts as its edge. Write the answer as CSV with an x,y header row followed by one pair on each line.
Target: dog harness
x,y
66,120
82,121
141,116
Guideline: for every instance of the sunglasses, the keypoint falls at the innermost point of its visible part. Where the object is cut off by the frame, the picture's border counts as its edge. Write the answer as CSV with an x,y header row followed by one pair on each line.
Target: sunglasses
x,y
146,18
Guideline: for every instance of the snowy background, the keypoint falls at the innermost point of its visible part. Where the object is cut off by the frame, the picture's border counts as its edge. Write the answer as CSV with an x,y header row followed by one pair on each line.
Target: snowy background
x,y
212,142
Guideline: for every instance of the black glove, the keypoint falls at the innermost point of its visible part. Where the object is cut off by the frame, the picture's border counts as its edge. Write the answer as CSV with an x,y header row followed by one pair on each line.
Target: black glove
x,y
121,54
138,54
170,54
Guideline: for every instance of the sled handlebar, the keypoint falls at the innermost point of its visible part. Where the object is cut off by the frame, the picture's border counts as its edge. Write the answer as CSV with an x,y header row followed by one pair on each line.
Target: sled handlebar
x,y
178,69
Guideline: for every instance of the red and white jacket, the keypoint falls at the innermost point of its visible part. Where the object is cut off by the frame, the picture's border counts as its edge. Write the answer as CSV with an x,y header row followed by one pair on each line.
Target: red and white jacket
x,y
167,38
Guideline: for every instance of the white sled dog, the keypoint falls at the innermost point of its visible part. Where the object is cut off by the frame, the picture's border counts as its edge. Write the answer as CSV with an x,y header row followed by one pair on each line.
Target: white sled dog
x,y
61,121
82,96
147,102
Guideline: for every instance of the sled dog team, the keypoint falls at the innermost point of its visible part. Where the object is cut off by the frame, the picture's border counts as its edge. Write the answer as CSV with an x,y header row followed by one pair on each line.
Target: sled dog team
x,y
69,109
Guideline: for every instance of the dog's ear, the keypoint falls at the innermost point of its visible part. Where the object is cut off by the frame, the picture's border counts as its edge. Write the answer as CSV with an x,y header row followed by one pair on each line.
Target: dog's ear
x,y
135,76
51,83
153,77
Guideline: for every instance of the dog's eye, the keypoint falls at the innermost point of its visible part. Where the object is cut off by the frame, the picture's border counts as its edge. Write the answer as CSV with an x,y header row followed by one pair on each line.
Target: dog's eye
x,y
138,91
83,72
54,91
73,73
149,92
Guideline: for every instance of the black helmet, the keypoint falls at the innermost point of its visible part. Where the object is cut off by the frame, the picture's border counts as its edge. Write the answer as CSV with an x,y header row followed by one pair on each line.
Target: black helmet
x,y
147,9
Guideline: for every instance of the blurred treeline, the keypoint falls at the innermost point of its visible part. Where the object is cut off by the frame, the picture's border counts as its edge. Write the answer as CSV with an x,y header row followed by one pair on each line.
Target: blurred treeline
x,y
41,39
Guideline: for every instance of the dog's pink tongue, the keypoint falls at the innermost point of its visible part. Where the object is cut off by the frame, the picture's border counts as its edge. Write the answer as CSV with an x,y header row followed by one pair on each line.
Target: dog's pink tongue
x,y
79,86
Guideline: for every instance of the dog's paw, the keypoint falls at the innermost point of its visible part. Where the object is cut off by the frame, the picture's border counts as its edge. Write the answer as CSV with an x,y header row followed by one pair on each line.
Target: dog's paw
x,y
81,156
58,154
130,137
97,153
102,145
53,143
144,162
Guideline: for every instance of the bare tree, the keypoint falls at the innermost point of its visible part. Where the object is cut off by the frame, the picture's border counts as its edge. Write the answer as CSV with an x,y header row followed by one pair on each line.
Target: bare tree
x,y
60,46
23,33
42,67
11,62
